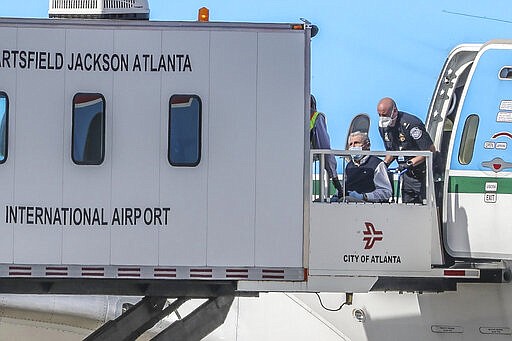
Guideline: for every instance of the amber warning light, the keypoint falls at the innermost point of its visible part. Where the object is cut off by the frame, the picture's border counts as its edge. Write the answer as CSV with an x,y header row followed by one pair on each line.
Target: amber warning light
x,y
204,14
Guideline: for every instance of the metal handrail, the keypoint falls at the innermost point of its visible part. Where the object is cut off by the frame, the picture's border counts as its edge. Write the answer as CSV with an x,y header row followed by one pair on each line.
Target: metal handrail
x,y
318,156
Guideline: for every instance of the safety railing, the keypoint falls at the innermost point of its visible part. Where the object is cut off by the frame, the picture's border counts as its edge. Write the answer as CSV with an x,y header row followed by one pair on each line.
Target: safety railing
x,y
322,189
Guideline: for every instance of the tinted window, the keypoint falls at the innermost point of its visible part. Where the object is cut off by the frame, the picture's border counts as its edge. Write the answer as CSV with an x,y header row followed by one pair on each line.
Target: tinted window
x,y
4,110
184,130
505,73
467,143
88,145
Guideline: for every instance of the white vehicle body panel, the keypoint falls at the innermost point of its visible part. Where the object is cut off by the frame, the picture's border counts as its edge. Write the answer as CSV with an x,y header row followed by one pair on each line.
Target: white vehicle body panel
x,y
251,82
367,240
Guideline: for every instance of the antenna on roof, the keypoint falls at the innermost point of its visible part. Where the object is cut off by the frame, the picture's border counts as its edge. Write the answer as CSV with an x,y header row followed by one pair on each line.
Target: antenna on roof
x,y
99,9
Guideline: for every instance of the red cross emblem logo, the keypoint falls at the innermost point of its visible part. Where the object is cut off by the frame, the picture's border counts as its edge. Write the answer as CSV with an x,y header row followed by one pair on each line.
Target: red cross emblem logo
x,y
371,235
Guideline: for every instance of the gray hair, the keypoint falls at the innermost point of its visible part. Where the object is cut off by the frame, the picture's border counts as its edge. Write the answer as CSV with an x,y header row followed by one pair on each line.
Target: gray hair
x,y
365,138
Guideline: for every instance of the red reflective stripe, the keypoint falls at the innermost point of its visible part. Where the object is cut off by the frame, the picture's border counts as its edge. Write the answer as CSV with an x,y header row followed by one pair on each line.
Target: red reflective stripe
x,y
272,277
129,269
93,274
272,271
455,272
84,98
237,270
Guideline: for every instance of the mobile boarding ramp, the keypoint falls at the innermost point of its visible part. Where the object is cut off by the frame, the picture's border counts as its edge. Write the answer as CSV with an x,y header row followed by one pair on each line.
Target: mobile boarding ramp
x,y
139,158
371,239
387,246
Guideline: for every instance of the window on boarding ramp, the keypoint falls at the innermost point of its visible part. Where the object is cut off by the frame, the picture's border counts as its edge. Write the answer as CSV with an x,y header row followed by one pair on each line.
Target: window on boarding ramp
x,y
4,125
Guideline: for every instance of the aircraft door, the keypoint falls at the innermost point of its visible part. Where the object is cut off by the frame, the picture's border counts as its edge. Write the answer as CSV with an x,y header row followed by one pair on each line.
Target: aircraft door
x,y
479,187
444,108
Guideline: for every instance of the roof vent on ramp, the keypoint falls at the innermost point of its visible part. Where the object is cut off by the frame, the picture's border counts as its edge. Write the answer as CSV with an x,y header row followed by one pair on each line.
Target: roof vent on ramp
x,y
99,9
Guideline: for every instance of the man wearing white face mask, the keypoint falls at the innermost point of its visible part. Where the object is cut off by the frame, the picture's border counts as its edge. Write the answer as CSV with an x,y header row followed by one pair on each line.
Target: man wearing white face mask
x,y
402,131
366,177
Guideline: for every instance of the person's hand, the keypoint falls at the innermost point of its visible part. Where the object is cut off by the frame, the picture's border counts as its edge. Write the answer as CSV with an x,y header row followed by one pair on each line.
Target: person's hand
x,y
355,195
405,166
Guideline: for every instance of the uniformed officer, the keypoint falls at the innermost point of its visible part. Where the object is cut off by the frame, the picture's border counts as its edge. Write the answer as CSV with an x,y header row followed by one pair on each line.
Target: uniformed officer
x,y
402,131
319,139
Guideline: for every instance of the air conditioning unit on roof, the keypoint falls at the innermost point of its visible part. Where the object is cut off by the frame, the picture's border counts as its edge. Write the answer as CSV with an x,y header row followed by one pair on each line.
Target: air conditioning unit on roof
x,y
99,9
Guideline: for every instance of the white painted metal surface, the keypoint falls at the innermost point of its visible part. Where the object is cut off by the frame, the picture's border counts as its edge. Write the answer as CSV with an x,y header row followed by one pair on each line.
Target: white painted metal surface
x,y
477,194
97,7
369,239
251,83
474,312
463,315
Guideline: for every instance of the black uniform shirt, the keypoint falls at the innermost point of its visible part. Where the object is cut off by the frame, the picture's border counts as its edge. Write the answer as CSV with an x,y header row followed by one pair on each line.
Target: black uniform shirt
x,y
408,133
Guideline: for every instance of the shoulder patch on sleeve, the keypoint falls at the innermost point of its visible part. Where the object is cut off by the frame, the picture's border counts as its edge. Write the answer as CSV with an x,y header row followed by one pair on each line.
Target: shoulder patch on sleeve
x,y
416,133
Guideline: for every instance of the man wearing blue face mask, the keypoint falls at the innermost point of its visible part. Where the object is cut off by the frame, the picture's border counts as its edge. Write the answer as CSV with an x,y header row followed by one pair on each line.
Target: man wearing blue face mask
x,y
402,131
366,176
